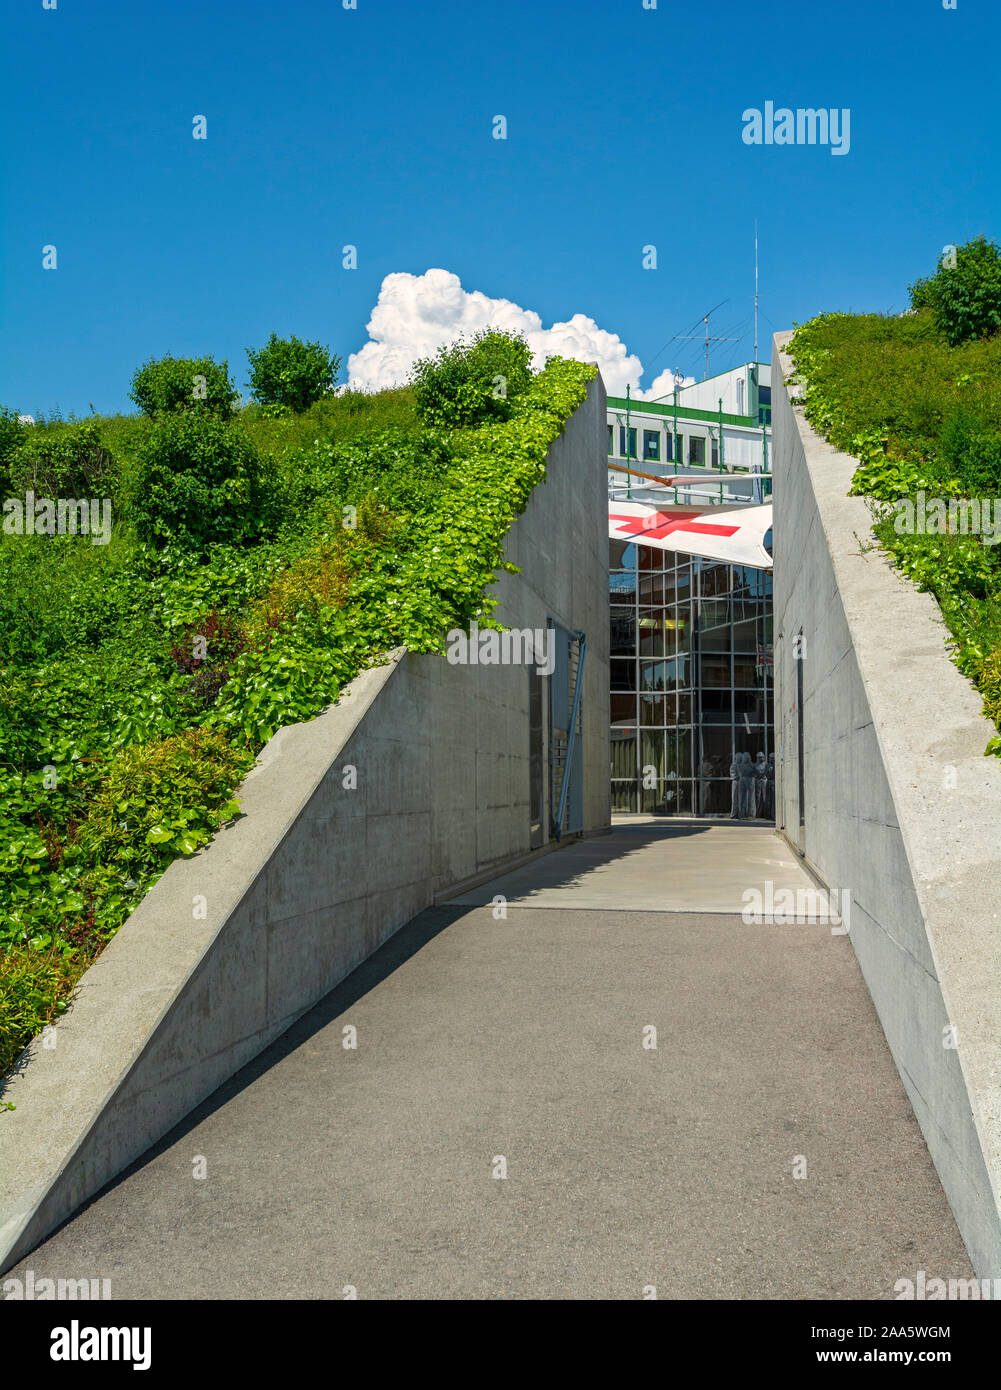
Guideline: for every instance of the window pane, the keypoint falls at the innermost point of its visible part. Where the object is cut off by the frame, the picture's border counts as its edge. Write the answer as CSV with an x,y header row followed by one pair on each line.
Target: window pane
x,y
715,797
623,753
685,752
622,587
651,634
621,555
624,796
623,710
652,709
715,670
652,589
623,675
717,750
652,753
717,705
651,445
623,632
682,805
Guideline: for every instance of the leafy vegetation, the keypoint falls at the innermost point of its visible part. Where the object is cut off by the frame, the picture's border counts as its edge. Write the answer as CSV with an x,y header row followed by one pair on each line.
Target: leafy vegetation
x,y
256,565
964,294
466,384
200,385
35,986
917,400
197,480
289,374
64,460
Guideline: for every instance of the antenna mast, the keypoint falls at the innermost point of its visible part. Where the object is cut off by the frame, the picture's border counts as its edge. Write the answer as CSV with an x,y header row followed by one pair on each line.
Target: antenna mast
x,y
708,339
755,290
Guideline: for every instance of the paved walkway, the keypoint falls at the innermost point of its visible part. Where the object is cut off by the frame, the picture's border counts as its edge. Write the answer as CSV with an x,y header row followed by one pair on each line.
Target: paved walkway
x,y
522,1038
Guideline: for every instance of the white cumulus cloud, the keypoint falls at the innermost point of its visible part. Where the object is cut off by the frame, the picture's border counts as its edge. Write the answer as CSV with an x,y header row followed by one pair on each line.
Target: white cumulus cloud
x,y
417,314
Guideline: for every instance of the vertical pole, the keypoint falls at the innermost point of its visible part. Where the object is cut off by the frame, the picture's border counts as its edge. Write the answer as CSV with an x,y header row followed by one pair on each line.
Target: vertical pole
x,y
629,476
755,290
677,460
719,450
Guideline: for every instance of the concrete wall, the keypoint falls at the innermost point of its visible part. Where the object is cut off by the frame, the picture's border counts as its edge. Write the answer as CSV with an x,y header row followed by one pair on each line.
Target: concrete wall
x,y
900,808
316,875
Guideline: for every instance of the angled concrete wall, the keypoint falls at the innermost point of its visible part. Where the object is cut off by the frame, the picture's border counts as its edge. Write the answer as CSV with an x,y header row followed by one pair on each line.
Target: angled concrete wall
x,y
317,873
900,806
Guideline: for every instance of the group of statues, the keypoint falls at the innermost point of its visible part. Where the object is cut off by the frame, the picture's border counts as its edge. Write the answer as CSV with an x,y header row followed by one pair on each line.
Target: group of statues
x,y
752,784
752,787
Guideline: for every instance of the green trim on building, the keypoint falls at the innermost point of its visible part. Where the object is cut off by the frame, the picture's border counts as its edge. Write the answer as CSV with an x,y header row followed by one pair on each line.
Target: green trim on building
x,y
749,422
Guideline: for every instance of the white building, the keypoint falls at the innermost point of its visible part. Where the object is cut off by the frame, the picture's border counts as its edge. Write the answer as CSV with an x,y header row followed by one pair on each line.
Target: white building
x,y
721,424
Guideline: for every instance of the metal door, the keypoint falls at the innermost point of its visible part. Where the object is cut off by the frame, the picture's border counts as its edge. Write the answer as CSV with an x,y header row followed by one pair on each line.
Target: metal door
x,y
566,761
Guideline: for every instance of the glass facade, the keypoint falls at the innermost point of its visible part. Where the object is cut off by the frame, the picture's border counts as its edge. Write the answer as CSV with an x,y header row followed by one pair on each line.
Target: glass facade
x,y
691,678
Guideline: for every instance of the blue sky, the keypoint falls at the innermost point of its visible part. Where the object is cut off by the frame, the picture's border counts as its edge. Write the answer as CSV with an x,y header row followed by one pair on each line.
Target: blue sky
x,y
373,127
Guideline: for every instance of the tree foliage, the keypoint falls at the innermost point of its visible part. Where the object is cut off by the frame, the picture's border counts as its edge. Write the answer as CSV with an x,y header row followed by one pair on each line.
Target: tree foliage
x,y
964,294
470,383
191,385
290,374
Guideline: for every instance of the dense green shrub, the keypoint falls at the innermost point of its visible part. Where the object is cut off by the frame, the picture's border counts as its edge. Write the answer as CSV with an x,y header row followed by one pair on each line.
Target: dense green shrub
x,y
405,469
162,799
468,383
35,986
921,416
291,374
391,534
965,297
63,460
199,385
972,452
198,479
11,431
21,722
989,685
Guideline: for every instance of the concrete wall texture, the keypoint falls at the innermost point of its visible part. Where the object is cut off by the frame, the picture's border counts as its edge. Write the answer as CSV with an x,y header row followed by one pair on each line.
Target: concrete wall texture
x,y
316,875
900,807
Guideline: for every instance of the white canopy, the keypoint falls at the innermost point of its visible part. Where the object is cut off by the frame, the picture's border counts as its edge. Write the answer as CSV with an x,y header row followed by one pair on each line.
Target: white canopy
x,y
736,537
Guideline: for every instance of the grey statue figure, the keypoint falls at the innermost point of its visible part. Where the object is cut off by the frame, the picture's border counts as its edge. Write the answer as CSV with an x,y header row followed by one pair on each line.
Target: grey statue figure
x,y
745,787
760,786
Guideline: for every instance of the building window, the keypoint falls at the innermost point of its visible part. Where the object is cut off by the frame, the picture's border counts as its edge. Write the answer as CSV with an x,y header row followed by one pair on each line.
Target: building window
x,y
611,441
696,449
740,395
764,405
690,681
622,442
715,454
651,445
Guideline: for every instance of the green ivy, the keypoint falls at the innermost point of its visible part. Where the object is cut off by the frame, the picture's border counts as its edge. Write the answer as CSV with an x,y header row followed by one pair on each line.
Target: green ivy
x,y
109,767
921,414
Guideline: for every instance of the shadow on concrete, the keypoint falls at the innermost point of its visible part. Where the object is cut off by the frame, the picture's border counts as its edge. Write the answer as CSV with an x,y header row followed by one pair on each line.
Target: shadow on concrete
x,y
405,944
622,840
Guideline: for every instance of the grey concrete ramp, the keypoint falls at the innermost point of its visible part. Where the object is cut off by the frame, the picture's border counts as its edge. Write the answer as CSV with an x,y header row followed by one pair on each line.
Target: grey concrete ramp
x,y
628,1166
649,864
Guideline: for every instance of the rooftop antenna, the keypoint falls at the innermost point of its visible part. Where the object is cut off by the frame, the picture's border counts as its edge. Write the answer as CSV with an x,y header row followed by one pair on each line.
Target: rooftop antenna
x,y
709,339
755,289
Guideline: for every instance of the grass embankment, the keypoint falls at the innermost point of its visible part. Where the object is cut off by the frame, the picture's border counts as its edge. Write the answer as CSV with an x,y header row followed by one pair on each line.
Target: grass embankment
x,y
922,415
139,679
